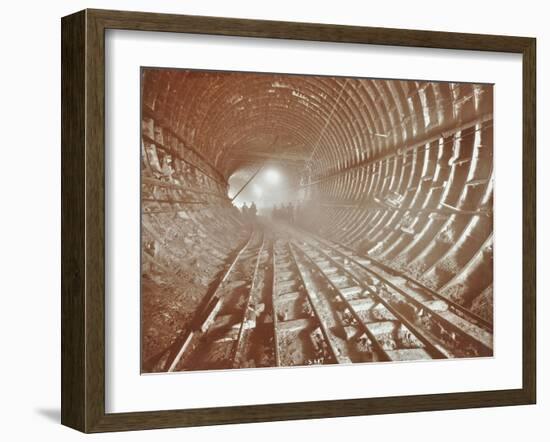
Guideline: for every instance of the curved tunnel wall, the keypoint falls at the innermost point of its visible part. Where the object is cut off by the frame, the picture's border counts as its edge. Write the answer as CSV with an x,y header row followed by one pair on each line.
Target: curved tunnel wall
x,y
399,170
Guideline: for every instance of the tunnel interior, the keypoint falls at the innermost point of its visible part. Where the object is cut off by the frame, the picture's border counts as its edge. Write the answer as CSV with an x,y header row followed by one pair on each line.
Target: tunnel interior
x,y
399,172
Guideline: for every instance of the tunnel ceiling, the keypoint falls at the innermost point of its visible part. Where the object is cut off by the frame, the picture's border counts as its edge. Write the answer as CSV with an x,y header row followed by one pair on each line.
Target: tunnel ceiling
x,y
315,125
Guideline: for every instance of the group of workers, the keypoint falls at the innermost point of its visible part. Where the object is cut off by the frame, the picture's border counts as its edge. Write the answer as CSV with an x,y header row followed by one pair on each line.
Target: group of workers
x,y
249,212
279,212
283,213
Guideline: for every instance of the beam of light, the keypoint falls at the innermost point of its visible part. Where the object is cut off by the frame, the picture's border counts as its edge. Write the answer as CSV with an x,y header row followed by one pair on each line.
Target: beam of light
x,y
257,190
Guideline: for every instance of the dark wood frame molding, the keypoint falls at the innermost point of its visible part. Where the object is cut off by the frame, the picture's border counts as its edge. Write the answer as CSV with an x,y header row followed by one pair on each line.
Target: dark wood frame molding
x,y
83,217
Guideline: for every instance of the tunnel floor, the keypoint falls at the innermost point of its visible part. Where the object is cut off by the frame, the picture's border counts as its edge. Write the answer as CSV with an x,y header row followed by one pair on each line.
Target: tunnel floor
x,y
284,296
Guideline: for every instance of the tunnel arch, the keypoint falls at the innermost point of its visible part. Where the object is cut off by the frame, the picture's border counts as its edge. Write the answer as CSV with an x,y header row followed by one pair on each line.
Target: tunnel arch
x,y
398,170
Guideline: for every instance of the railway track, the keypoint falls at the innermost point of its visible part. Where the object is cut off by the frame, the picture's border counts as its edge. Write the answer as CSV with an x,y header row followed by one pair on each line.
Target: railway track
x,y
290,298
367,328
323,316
406,283
438,323
301,337
380,269
219,335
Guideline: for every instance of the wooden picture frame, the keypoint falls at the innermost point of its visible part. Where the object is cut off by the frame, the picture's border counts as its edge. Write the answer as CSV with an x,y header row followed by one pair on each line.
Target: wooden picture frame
x,y
83,220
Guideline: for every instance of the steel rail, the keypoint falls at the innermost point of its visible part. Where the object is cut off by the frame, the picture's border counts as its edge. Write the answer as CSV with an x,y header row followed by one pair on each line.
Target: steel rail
x,y
322,325
480,346
240,341
192,332
366,329
273,304
431,347
461,311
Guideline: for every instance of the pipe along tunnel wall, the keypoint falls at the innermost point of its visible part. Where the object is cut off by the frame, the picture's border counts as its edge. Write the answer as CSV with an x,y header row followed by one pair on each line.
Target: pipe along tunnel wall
x,y
398,172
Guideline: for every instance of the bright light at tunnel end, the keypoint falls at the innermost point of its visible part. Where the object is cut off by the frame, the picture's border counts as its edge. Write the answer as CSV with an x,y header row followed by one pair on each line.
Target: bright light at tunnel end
x,y
272,176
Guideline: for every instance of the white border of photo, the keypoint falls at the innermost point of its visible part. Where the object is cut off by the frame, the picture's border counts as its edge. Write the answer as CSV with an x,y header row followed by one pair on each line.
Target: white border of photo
x,y
127,390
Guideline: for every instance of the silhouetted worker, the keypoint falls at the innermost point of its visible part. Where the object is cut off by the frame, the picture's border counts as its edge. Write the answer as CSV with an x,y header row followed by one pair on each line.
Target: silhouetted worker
x,y
252,211
244,210
289,213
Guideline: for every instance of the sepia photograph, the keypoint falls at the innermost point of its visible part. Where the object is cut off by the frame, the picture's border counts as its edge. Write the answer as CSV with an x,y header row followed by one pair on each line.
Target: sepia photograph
x,y
296,220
